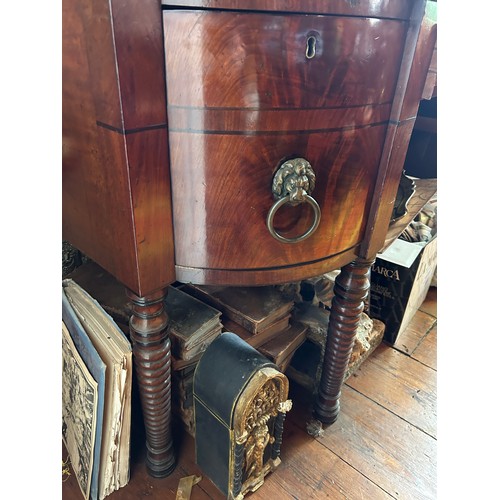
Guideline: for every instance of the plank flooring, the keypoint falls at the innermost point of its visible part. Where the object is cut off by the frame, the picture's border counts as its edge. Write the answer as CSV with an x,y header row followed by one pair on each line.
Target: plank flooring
x,y
383,446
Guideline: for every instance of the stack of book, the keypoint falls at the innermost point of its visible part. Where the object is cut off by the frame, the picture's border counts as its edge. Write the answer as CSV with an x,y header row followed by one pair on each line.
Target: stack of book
x,y
253,308
281,348
259,315
96,394
193,325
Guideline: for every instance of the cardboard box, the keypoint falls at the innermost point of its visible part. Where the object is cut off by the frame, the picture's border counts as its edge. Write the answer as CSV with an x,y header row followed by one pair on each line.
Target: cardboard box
x,y
400,280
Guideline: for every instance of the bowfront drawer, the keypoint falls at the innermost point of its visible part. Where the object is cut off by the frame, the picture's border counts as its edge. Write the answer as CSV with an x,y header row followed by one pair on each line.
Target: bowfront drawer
x,y
247,93
226,59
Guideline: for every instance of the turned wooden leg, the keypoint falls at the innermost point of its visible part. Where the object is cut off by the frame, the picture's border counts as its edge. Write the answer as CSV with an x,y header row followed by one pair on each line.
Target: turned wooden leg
x,y
151,351
351,288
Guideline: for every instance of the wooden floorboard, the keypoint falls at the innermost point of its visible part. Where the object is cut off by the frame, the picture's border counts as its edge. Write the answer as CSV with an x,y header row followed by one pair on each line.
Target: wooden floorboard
x,y
383,445
310,471
416,330
400,384
385,448
426,352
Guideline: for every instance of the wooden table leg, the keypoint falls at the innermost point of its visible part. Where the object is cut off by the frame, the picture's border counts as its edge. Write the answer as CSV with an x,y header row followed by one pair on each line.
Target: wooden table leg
x,y
351,289
151,351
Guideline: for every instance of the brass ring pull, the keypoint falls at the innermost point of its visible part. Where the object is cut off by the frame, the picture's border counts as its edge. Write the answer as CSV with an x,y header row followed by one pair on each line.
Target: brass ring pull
x,y
293,183
283,201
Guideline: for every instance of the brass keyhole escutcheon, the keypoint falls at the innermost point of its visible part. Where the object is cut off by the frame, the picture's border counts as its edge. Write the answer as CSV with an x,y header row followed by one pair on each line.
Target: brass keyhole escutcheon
x,y
310,47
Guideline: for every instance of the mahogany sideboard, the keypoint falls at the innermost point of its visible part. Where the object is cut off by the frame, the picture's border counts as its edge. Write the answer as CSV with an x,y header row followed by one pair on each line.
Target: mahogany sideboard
x,y
248,142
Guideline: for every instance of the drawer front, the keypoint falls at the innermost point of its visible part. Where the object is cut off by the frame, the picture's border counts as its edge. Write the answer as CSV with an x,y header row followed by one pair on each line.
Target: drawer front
x,y
226,59
245,92
220,209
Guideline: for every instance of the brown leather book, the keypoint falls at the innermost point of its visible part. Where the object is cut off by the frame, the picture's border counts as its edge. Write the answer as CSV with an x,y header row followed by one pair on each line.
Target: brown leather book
x,y
180,364
256,340
193,324
281,347
254,308
284,364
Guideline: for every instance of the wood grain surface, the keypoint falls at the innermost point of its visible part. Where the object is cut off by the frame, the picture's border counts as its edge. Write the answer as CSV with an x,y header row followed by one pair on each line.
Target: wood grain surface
x,y
411,391
417,56
115,188
418,327
243,97
426,352
367,434
242,60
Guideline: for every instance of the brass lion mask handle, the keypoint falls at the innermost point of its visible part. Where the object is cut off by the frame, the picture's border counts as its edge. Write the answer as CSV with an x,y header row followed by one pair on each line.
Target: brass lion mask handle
x,y
293,183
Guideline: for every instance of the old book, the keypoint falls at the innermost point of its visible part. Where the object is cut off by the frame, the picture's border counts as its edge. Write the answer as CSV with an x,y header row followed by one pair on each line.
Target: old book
x,y
80,400
282,346
181,364
285,363
256,340
97,368
114,349
193,324
254,308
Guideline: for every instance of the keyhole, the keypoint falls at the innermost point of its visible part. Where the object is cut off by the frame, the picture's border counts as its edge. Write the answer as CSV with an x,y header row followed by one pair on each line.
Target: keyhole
x,y
311,47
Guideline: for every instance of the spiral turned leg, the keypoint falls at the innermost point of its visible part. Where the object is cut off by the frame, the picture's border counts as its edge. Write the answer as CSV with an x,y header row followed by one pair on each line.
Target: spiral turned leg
x,y
151,350
351,289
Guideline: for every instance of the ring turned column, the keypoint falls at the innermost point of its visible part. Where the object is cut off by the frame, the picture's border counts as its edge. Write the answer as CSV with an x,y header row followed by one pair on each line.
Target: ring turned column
x,y
350,291
151,351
